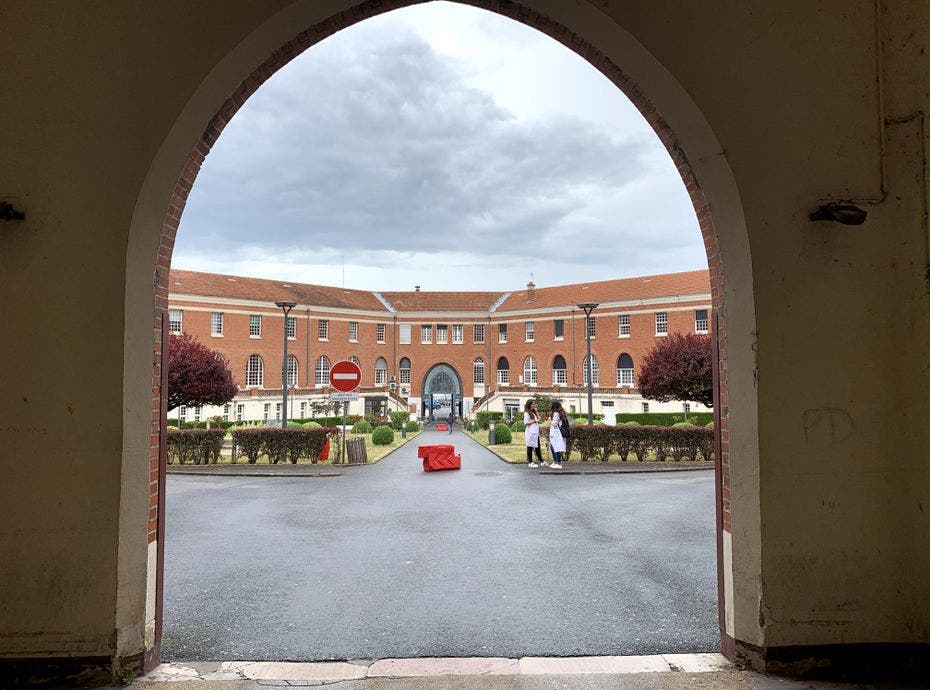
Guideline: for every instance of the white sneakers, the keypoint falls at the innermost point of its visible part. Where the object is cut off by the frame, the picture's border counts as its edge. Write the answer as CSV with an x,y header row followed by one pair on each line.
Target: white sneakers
x,y
532,464
544,464
556,466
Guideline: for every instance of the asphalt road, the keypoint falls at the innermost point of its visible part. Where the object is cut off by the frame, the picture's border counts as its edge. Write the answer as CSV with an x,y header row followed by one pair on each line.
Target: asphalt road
x,y
389,561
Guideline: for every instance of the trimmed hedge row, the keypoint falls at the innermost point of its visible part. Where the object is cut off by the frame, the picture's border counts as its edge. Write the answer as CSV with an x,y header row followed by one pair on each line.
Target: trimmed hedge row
x,y
280,444
665,442
664,418
199,446
485,416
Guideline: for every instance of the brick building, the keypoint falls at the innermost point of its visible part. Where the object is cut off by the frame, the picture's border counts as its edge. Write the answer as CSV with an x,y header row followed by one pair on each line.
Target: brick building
x,y
492,350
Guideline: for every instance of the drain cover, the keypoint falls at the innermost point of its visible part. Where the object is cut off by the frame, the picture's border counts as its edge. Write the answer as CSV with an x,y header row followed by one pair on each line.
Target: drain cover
x,y
487,474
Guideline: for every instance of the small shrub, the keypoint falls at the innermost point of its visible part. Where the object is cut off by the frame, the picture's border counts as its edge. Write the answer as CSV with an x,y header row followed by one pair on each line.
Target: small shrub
x,y
412,426
399,419
683,424
472,426
382,436
518,426
313,425
361,427
502,434
631,423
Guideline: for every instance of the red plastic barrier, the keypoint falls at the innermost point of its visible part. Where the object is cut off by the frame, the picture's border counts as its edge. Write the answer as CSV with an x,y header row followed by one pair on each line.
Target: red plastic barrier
x,y
441,427
426,451
442,461
324,454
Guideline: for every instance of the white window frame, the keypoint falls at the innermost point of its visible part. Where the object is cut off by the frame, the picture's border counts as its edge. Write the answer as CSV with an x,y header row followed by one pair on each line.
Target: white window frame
x,y
322,330
182,414
625,377
661,323
623,326
381,333
321,371
530,371
353,331
592,327
478,366
290,327
529,331
556,336
560,377
503,377
701,326
458,334
250,373
478,328
426,334
380,372
303,409
403,334
176,316
404,372
255,325
502,332
295,370
197,412
442,334
217,320
226,410
240,411
645,408
595,371
266,412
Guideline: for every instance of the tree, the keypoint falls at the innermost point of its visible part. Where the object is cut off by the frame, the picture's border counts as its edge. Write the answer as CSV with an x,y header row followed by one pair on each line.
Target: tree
x,y
679,367
197,375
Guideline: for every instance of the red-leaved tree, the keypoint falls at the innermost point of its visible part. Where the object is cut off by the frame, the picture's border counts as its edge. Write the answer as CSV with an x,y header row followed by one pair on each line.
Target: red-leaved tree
x,y
679,367
197,375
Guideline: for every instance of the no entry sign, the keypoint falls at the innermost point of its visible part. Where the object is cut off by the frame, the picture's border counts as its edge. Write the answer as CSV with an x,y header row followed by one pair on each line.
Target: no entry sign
x,y
345,376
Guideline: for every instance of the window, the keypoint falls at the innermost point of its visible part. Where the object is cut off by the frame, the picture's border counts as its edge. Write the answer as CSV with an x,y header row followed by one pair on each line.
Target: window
x,y
303,410
624,326
478,370
559,373
182,413
381,333
686,408
592,331
645,408
353,331
403,334
404,371
240,410
478,330
426,334
323,329
255,371
291,370
511,409
442,334
175,319
226,409
661,323
625,370
503,372
266,412
197,414
356,361
595,374
502,332
458,334
700,321
321,371
255,326
558,329
277,411
380,371
529,371
529,331
216,323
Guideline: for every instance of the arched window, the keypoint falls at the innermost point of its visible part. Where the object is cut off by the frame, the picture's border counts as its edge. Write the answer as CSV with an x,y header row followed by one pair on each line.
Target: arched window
x,y
529,371
356,361
625,370
559,373
380,371
479,371
404,371
503,372
321,371
595,374
291,370
255,371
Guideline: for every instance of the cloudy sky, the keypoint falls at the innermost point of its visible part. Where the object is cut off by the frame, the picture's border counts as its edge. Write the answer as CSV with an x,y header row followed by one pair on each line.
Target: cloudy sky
x,y
442,146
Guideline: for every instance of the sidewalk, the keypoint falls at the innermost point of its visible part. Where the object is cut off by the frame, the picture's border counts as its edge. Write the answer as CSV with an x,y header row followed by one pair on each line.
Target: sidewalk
x,y
597,467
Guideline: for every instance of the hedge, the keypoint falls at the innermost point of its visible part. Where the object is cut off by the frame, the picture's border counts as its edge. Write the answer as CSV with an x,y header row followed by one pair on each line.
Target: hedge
x,y
412,426
399,419
361,427
664,418
199,446
678,443
279,444
485,416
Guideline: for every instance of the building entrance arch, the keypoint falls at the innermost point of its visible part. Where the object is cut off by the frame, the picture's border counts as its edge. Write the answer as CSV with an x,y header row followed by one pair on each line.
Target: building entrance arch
x,y
441,384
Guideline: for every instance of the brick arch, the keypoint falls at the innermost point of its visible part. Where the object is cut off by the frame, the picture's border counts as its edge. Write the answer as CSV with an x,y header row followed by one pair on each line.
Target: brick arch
x,y
518,12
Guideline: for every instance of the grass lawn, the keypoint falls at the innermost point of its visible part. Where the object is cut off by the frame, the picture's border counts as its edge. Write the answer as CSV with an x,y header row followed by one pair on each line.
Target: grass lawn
x,y
374,452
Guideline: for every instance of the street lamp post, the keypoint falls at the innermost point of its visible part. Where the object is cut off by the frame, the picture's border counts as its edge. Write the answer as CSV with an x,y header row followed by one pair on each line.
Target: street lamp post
x,y
588,307
286,306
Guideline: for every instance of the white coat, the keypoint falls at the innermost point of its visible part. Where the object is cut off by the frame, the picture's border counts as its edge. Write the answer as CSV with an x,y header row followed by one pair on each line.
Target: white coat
x,y
556,442
531,430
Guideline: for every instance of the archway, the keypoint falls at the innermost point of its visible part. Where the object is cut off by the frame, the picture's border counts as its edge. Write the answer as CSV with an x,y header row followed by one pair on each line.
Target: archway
x,y
680,126
441,384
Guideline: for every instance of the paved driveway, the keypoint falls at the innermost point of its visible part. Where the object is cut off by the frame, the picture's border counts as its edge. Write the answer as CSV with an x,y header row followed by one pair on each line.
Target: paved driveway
x,y
389,561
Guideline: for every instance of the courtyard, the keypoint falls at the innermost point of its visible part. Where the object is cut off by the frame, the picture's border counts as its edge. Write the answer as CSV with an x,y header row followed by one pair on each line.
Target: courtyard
x,y
388,561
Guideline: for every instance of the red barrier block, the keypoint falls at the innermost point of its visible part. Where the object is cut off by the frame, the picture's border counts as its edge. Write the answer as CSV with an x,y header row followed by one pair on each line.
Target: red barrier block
x,y
441,427
426,451
442,461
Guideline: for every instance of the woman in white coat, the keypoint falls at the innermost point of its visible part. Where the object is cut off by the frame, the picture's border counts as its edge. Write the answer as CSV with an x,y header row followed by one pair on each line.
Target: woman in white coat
x,y
531,434
556,439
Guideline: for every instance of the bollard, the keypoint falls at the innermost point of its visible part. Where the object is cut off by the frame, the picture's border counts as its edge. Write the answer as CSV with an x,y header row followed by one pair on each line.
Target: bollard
x,y
491,433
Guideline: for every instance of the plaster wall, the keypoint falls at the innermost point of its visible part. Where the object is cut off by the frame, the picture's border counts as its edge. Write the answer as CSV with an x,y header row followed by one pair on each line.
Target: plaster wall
x,y
776,105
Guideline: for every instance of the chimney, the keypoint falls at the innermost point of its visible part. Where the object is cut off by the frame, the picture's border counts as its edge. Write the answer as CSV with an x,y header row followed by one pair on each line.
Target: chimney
x,y
416,287
531,290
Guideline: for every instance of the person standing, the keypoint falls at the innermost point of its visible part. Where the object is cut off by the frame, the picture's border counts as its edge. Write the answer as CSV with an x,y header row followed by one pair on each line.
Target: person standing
x,y
531,434
556,436
451,420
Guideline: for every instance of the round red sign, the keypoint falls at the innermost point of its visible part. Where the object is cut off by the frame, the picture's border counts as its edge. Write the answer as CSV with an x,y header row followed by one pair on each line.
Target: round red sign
x,y
345,376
